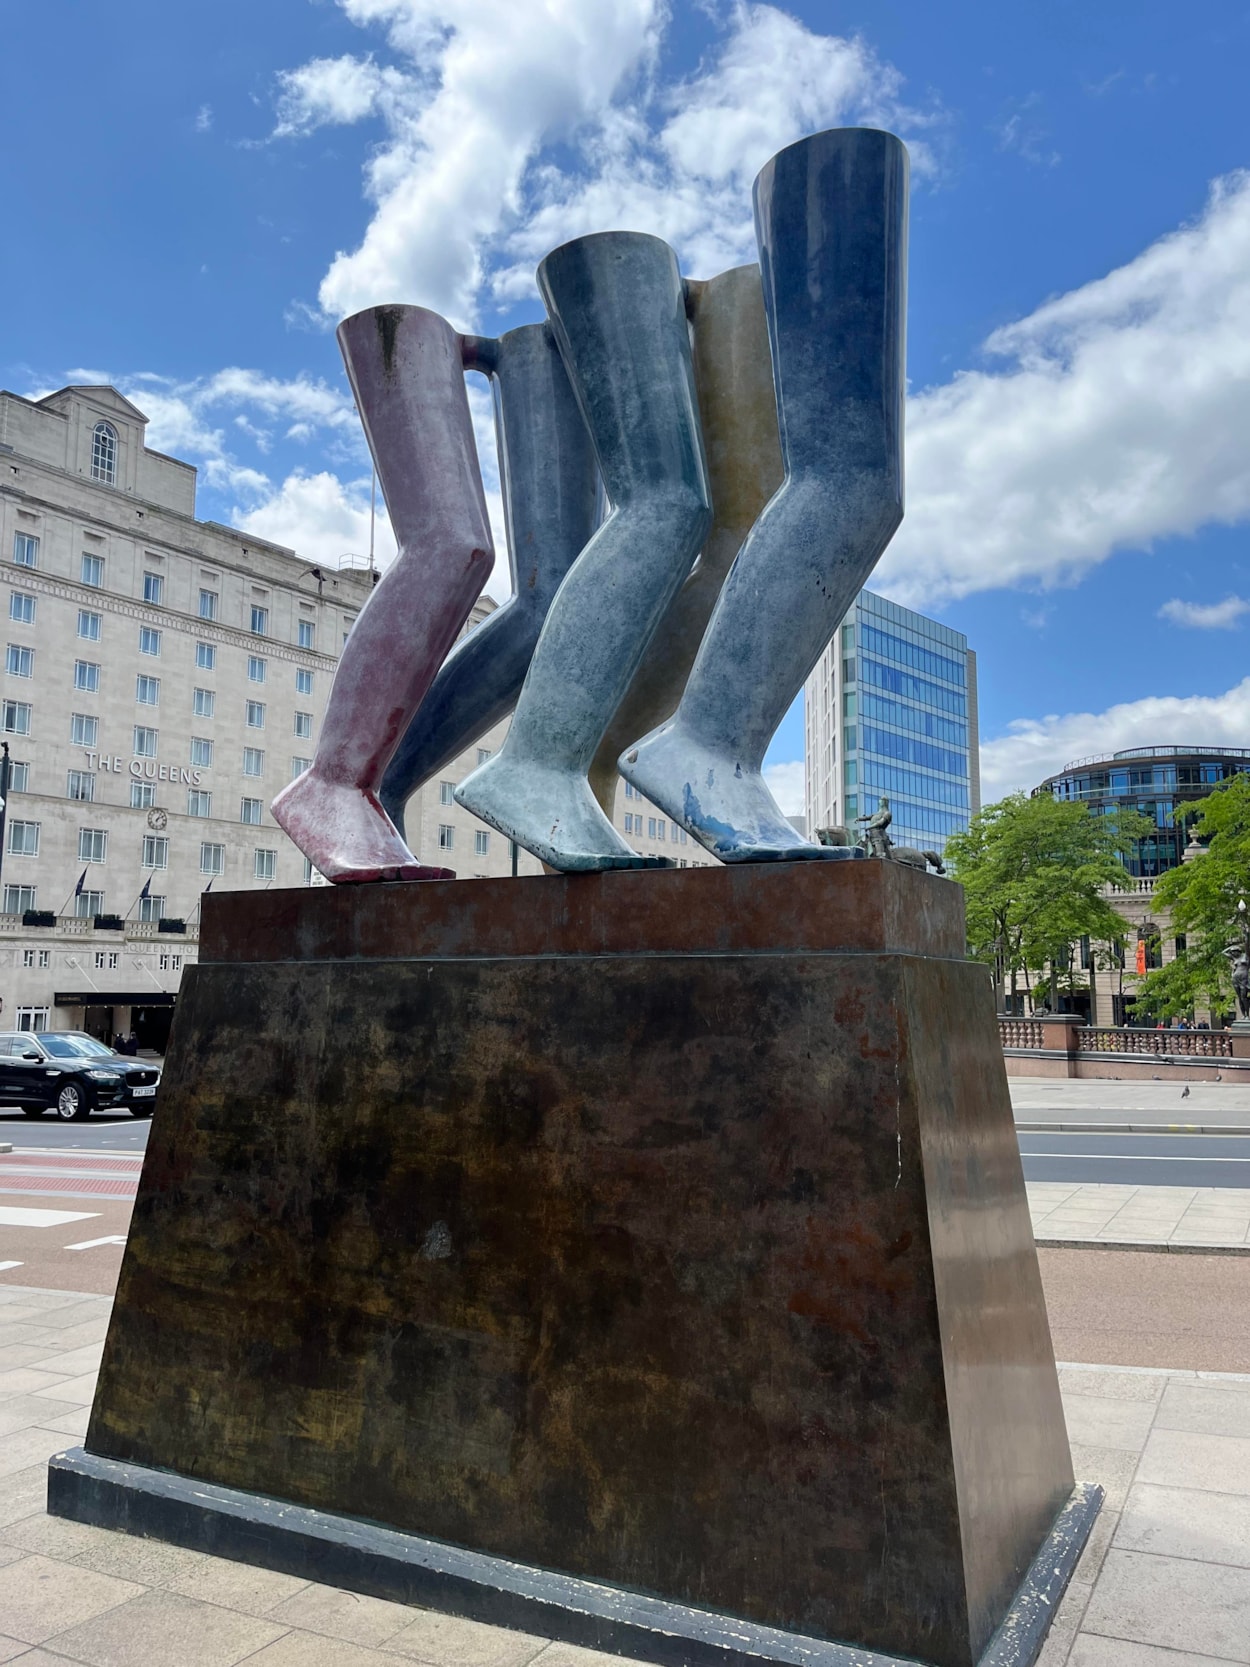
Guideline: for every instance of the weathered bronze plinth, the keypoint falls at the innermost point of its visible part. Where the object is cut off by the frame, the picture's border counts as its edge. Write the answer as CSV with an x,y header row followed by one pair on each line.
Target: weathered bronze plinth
x,y
665,1230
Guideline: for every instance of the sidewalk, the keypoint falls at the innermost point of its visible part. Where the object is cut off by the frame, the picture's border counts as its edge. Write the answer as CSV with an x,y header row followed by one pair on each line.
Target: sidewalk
x,y
1164,1581
1156,1218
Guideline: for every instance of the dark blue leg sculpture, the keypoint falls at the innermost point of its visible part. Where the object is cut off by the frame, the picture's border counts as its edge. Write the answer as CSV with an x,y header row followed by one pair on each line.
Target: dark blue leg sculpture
x,y
550,490
831,217
617,308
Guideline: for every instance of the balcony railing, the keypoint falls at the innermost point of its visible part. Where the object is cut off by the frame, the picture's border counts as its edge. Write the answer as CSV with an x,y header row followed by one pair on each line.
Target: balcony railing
x,y
83,926
1200,1044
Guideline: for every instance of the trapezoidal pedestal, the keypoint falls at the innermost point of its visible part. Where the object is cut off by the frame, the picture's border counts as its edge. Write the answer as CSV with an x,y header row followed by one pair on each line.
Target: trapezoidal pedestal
x,y
641,1258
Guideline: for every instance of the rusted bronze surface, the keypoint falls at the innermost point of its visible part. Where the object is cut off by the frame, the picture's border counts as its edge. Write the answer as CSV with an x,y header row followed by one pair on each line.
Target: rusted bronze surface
x,y
774,907
709,1274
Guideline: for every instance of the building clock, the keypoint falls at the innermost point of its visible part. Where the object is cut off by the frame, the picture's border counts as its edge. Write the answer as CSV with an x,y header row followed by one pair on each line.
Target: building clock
x,y
158,819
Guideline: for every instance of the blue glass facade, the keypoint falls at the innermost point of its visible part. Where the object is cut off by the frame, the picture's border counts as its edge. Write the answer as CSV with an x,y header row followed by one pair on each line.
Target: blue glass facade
x,y
891,712
1158,781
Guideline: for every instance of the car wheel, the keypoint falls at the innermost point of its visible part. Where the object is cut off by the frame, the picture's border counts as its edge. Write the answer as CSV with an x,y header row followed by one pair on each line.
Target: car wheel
x,y
72,1102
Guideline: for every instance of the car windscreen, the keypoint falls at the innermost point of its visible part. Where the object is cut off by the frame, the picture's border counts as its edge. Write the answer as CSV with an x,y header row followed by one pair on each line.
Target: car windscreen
x,y
61,1046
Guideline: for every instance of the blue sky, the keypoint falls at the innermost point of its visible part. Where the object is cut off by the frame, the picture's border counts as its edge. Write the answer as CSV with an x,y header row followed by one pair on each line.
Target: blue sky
x,y
194,198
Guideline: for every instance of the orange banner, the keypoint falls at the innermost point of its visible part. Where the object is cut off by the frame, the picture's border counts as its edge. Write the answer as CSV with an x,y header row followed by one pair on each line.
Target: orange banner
x,y
1141,955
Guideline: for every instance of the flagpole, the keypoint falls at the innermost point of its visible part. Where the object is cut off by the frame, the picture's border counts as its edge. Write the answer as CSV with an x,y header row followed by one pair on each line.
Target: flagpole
x,y
146,892
77,892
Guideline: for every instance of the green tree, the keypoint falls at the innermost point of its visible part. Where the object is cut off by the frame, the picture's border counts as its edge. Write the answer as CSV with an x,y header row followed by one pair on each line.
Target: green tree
x,y
1201,897
1033,872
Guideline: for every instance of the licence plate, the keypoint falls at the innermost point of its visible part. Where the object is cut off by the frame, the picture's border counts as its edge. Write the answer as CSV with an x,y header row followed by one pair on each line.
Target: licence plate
x,y
139,1093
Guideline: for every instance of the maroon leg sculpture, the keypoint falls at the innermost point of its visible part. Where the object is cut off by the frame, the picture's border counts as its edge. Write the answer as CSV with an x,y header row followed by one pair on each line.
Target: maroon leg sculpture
x,y
406,366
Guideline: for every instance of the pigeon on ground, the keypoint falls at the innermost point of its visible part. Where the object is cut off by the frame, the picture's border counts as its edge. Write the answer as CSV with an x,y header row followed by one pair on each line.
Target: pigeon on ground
x,y
1185,1092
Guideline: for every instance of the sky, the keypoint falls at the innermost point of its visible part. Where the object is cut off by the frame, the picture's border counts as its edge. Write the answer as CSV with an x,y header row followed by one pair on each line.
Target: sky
x,y
194,199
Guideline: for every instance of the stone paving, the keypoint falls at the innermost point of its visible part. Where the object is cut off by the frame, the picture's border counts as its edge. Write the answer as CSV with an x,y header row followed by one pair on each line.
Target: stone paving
x,y
1178,1218
1164,1582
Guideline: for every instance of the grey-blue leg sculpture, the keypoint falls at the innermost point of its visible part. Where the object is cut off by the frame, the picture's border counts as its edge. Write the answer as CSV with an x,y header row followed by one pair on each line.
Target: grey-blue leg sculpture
x,y
831,218
551,505
617,308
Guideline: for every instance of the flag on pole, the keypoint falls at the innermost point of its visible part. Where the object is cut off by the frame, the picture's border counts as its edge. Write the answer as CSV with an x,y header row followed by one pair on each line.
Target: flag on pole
x,y
147,889
82,880
209,886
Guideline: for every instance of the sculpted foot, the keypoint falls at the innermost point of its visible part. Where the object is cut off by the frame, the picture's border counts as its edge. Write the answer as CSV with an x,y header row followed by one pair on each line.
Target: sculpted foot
x,y
550,812
713,796
345,833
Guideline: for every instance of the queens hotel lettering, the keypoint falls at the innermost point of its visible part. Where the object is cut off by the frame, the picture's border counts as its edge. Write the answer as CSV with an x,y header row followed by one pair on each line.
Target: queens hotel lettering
x,y
144,769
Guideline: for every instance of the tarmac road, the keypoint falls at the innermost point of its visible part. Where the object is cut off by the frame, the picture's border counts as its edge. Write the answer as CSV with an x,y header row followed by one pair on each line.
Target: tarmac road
x,y
102,1131
1133,1159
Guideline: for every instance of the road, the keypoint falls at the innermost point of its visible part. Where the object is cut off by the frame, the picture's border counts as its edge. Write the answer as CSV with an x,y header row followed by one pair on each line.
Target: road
x,y
102,1131
1145,1160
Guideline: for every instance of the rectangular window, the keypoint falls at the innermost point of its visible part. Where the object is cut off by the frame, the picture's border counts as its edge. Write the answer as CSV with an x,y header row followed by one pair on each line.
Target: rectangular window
x,y
28,957
25,550
88,903
483,753
659,829
249,812
650,827
88,625
257,666
253,761
87,675
32,1018
80,784
208,604
147,690
205,657
17,717
201,751
260,621
303,682
23,839
199,803
299,765
155,851
22,610
92,844
153,589
481,843
145,742
142,795
264,864
849,714
149,640
307,633
92,570
212,859
303,725
19,775
17,899
19,661
629,821
446,837
256,714
151,908
446,792
204,703
83,730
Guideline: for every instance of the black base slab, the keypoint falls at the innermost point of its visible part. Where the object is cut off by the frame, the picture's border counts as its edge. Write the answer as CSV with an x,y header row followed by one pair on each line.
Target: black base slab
x,y
362,1557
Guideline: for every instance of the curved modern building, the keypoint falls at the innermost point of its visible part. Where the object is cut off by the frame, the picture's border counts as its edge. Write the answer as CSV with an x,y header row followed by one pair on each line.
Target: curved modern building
x,y
1158,781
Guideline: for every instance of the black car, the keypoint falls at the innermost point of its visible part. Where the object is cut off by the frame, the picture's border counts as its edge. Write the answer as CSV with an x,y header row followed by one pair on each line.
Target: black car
x,y
72,1073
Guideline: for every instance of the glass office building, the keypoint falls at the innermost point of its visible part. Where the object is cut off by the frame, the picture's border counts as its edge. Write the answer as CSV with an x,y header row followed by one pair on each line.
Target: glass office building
x,y
891,711
1158,781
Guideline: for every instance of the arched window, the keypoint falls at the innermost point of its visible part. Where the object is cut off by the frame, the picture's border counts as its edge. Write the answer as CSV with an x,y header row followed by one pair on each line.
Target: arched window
x,y
104,453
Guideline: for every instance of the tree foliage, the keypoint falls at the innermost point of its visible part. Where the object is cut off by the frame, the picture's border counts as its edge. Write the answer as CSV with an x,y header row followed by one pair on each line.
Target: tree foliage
x,y
1033,872
1201,897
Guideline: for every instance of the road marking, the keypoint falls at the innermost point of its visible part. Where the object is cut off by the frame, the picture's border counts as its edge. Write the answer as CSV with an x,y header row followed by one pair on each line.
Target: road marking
x,y
90,1244
5,1266
1130,1157
10,1216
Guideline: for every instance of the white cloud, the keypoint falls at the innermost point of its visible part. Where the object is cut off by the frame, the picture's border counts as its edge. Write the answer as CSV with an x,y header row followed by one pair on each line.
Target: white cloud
x,y
320,518
204,118
1120,418
1033,749
786,784
470,188
1206,616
